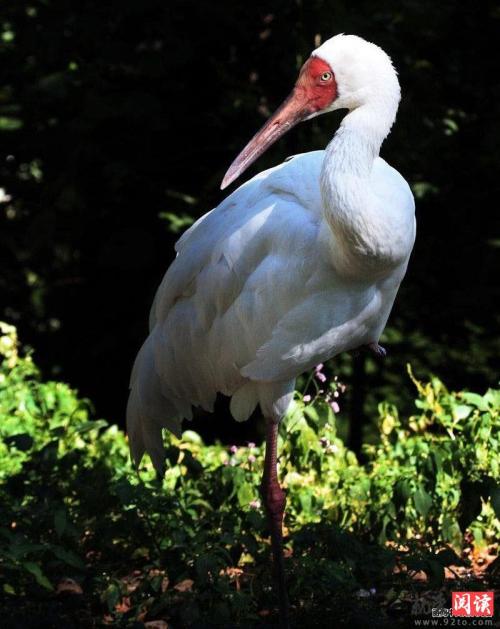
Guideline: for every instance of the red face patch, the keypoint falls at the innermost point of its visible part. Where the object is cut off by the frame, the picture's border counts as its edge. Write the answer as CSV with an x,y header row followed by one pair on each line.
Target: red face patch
x,y
317,81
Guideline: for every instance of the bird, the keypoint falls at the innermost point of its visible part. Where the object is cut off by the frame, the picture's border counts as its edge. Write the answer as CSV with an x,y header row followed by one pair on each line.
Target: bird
x,y
300,263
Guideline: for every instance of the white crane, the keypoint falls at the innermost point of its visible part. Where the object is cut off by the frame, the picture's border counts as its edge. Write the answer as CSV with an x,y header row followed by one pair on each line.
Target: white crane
x,y
300,263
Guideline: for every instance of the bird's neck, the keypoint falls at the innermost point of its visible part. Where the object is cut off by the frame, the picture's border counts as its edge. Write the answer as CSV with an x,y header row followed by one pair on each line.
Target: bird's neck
x,y
349,202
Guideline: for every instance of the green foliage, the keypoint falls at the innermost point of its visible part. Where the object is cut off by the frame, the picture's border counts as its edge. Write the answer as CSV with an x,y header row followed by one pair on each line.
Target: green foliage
x,y
72,504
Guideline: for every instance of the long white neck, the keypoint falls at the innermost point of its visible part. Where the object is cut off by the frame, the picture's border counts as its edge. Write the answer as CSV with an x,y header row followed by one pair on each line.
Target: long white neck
x,y
356,144
349,203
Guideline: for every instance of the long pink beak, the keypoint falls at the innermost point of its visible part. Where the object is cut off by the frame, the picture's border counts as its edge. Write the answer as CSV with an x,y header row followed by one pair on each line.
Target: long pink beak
x,y
292,111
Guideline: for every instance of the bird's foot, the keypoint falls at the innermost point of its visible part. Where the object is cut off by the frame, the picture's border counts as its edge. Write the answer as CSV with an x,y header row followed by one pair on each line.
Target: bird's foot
x,y
372,348
376,349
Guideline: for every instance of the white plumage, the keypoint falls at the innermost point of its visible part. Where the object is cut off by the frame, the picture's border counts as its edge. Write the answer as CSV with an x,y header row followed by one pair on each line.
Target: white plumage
x,y
300,263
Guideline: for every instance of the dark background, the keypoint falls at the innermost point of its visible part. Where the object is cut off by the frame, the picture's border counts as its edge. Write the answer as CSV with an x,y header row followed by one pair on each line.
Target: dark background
x,y
118,120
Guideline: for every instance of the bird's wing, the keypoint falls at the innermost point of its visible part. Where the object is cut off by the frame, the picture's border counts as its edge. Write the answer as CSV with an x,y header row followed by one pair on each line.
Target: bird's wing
x,y
238,271
233,226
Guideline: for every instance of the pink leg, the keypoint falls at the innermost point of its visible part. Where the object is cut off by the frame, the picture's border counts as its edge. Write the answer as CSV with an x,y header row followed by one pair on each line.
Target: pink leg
x,y
274,502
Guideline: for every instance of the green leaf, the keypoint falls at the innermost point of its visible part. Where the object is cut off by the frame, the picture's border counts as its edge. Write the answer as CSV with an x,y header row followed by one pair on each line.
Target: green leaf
x,y
68,557
422,501
91,425
36,571
305,499
190,436
477,400
492,397
8,123
402,491
451,530
111,596
461,411
245,494
312,413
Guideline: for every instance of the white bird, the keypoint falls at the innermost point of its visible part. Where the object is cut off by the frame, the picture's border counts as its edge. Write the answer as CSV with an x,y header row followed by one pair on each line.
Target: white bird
x,y
300,263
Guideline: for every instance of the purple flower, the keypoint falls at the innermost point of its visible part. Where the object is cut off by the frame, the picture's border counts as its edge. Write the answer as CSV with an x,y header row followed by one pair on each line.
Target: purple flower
x,y
255,504
251,459
307,398
335,407
233,449
318,367
251,444
320,376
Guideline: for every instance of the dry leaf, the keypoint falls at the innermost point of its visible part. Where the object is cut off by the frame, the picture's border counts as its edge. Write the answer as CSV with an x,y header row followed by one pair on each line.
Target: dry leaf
x,y
123,606
68,586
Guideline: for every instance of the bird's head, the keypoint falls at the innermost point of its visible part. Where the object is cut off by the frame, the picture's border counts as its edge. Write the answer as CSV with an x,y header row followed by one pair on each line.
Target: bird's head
x,y
345,72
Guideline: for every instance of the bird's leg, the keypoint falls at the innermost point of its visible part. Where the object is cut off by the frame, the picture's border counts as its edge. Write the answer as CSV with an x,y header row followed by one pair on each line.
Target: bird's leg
x,y
274,500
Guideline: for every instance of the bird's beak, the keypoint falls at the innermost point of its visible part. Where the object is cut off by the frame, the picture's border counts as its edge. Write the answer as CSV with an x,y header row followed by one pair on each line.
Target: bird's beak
x,y
292,111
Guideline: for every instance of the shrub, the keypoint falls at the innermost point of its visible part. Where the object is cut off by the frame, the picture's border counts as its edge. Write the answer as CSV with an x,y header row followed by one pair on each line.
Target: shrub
x,y
72,504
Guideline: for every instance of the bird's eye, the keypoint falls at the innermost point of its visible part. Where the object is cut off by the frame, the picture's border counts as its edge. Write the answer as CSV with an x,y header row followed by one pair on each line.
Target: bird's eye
x,y
326,76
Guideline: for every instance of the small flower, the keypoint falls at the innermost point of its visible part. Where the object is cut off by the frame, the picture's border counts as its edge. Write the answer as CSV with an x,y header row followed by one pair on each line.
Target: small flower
x,y
233,449
335,407
226,462
318,367
306,398
373,591
332,449
251,444
251,459
255,504
320,376
336,394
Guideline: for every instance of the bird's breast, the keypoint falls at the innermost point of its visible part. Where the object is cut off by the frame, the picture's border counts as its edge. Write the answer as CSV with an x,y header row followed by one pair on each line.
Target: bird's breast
x,y
371,223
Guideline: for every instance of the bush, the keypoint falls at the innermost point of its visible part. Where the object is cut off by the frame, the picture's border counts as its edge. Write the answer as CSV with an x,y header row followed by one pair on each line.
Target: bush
x,y
141,547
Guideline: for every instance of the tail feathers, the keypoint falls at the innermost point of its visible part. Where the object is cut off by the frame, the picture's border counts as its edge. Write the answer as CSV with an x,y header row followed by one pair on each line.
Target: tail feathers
x,y
244,401
148,411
